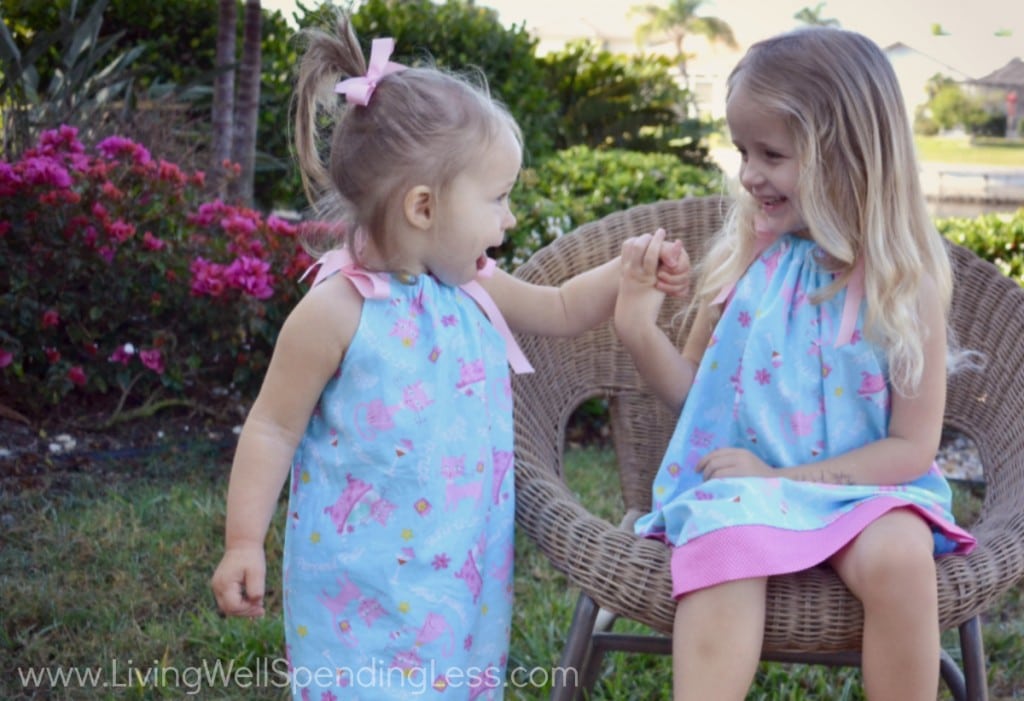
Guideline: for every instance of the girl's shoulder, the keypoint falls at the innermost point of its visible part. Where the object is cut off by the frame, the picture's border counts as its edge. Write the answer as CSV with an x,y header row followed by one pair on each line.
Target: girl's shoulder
x,y
328,313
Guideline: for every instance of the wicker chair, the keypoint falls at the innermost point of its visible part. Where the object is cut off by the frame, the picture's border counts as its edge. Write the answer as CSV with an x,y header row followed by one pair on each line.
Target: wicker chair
x,y
811,616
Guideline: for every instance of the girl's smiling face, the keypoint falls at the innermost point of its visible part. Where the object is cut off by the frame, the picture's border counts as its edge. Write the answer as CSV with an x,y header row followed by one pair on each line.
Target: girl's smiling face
x,y
476,212
770,167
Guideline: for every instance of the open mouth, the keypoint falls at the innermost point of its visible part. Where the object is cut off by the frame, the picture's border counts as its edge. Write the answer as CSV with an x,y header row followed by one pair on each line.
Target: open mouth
x,y
481,262
773,203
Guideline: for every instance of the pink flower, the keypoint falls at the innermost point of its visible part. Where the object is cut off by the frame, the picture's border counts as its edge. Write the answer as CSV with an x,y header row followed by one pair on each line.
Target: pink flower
x,y
245,246
251,275
77,375
122,354
280,226
238,223
10,181
153,359
171,173
111,191
114,147
121,230
208,213
207,278
64,139
90,235
99,171
6,358
45,171
52,354
100,212
152,243
762,376
51,318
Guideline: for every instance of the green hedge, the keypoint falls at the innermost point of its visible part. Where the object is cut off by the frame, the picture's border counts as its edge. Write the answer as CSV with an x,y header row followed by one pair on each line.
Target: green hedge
x,y
580,184
998,238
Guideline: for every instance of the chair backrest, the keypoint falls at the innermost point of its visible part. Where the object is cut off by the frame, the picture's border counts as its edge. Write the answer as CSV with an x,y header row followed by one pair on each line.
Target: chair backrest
x,y
987,404
596,364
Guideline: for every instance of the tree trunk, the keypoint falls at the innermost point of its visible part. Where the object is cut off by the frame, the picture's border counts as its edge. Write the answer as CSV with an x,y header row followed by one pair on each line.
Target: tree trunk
x,y
223,98
243,148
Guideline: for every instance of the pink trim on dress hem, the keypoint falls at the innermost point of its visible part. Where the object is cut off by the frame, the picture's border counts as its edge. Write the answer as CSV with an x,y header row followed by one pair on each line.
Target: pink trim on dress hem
x,y
743,552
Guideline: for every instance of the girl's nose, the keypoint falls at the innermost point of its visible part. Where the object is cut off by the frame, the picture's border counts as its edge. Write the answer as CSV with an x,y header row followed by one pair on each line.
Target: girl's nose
x,y
509,220
749,175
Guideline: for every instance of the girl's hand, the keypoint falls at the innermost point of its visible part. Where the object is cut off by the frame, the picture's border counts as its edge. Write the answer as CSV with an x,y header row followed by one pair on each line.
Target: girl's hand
x,y
733,462
640,295
238,583
673,266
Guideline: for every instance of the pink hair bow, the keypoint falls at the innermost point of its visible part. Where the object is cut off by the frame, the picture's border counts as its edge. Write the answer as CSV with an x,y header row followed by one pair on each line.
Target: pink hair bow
x,y
360,89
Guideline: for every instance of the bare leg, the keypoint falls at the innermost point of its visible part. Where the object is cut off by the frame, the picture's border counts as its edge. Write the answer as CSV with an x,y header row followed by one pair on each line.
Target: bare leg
x,y
890,567
716,642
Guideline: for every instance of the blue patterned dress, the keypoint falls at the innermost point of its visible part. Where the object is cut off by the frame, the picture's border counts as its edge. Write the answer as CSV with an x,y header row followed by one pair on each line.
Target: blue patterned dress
x,y
775,381
399,536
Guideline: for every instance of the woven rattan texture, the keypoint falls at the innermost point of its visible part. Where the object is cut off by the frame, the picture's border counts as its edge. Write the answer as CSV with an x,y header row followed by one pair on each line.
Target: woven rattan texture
x,y
807,611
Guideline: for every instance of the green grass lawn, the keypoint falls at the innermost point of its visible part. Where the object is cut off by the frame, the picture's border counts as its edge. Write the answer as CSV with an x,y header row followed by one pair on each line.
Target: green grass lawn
x,y
103,572
994,152
941,149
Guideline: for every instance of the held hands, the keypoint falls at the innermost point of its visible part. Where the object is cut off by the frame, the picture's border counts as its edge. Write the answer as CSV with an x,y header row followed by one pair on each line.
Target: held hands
x,y
733,462
651,269
238,583
672,262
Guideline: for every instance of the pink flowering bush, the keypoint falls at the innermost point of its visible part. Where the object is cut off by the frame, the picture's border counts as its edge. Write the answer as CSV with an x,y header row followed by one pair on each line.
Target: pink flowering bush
x,y
119,283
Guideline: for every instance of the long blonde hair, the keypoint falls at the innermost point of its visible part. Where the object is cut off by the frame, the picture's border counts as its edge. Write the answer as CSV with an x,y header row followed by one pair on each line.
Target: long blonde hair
x,y
859,191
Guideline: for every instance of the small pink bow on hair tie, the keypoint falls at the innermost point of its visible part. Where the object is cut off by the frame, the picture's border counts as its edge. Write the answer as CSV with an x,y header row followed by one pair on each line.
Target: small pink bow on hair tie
x,y
358,90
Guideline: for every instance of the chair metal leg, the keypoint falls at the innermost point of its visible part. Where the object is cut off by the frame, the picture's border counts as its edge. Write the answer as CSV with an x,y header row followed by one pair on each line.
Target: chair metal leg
x,y
973,649
576,652
952,676
590,671
585,648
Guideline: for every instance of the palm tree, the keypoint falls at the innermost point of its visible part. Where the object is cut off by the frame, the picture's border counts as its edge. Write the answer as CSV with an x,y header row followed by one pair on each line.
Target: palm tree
x,y
235,114
678,20
223,97
247,103
813,17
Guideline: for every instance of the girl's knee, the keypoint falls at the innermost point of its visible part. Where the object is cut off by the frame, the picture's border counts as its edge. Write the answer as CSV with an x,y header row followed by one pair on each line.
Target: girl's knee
x,y
893,555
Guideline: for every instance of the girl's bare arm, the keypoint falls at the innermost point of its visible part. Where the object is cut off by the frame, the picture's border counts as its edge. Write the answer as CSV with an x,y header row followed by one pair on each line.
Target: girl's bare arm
x,y
585,300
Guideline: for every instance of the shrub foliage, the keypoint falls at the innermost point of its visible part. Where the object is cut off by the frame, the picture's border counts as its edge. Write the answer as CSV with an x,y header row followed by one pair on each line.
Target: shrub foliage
x,y
998,238
120,282
579,184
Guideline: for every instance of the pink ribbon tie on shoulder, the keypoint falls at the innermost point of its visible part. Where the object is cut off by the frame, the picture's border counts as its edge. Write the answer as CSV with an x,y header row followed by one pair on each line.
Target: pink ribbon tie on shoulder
x,y
339,260
359,90
516,358
378,286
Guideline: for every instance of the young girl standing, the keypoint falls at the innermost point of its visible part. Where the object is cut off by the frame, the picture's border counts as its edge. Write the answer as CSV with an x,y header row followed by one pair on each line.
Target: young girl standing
x,y
388,400
813,380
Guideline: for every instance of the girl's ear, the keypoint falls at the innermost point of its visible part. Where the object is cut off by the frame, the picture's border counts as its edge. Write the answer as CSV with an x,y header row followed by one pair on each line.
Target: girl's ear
x,y
420,207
